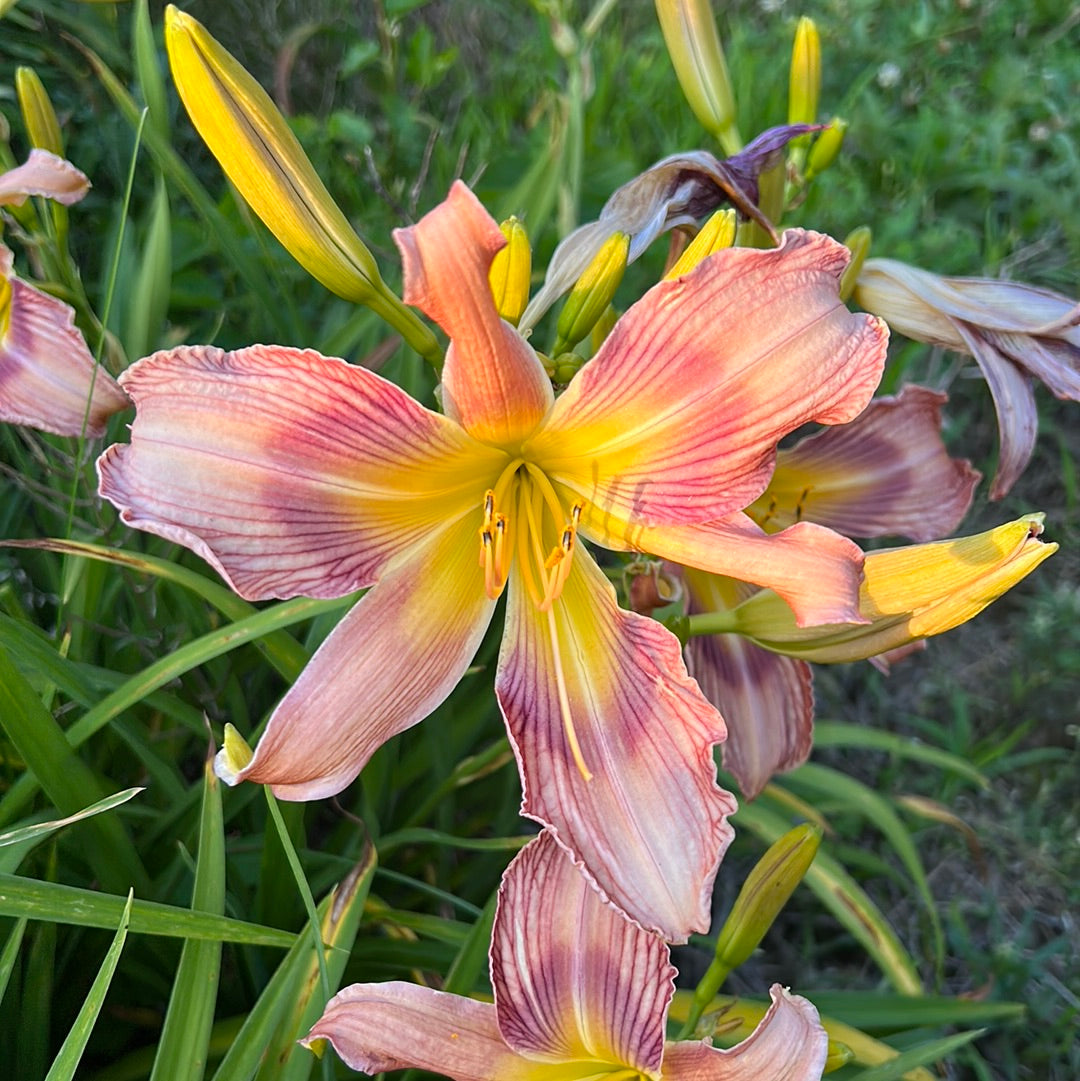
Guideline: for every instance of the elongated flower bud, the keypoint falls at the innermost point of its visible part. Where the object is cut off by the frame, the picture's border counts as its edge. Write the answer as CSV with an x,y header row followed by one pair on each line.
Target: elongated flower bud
x,y
826,147
38,114
716,234
234,755
264,160
693,43
511,272
804,82
765,892
858,242
907,594
593,292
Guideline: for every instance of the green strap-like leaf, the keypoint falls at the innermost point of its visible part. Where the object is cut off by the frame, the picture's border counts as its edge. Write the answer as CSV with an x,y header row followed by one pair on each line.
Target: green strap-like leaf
x,y
86,908
67,1060
183,1050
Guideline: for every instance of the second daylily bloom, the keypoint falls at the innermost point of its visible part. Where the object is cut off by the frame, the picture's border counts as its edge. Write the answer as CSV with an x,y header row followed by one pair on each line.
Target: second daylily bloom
x,y
1014,331
295,474
47,373
580,993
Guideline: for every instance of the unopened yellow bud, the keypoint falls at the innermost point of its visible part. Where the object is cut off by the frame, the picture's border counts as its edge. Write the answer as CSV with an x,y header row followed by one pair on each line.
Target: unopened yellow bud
x,y
907,594
826,147
858,243
693,43
804,82
593,292
716,234
603,327
42,127
765,892
511,272
234,755
838,1054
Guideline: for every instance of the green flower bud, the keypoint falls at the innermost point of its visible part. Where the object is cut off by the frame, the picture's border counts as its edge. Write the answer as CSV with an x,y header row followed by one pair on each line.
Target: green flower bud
x,y
858,243
826,147
593,292
42,127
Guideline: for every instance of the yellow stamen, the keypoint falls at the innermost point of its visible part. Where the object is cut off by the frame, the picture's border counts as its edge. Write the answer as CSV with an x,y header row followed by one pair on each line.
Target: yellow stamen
x,y
564,702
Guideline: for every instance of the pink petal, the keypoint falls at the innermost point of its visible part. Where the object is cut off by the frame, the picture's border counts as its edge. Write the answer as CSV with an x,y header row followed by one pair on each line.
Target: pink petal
x,y
43,173
1014,402
395,657
1053,361
289,472
46,371
814,569
392,1026
677,417
767,701
886,473
574,979
649,826
788,1045
493,382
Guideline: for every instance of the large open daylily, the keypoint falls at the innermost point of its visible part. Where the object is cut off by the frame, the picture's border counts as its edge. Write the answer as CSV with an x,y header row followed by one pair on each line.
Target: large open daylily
x,y
47,374
757,673
581,994
296,474
1014,331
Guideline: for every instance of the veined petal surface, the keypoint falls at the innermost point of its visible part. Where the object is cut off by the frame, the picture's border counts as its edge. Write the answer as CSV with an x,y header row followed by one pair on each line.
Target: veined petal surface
x,y
788,1045
815,570
46,370
289,472
649,824
676,418
395,657
887,473
767,701
392,1026
493,382
43,173
575,979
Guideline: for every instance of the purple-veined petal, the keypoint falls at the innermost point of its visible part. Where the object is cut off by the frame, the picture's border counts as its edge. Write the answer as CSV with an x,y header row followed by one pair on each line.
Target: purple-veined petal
x,y
886,473
649,825
815,570
1054,361
493,382
391,1026
395,657
575,979
289,472
43,173
788,1045
1014,403
766,700
46,370
677,417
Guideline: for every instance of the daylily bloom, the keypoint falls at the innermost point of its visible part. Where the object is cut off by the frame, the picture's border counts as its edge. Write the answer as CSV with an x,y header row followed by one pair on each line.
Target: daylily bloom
x,y
1013,331
886,473
292,473
580,992
757,672
46,371
678,190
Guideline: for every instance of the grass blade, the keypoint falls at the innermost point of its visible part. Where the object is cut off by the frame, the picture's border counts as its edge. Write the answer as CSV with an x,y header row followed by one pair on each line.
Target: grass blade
x,y
67,1060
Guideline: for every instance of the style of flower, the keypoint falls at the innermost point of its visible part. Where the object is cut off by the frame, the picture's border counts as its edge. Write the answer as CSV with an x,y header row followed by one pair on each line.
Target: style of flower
x,y
580,993
1014,331
47,374
292,473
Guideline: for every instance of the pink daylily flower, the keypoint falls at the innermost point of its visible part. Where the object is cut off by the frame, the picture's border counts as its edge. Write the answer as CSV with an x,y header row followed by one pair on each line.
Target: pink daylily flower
x,y
43,173
293,473
887,473
47,373
580,993
1014,331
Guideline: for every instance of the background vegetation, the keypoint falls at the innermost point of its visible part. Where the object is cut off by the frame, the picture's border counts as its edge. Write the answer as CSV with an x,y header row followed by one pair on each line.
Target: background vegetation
x,y
963,154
